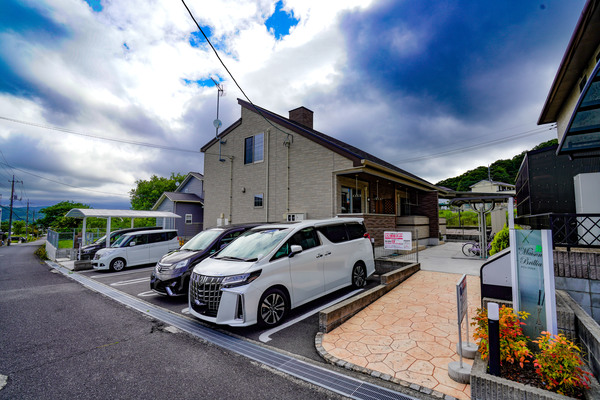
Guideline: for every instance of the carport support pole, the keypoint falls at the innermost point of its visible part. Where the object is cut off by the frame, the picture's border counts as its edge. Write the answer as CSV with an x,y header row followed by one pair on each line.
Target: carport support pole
x,y
108,232
82,237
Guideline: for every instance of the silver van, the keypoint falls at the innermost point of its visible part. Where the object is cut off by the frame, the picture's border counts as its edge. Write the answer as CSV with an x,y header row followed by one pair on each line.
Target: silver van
x,y
136,248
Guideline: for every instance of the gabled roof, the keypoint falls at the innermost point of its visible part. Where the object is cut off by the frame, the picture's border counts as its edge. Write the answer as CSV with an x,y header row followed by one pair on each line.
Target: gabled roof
x,y
493,183
188,177
581,48
178,197
344,149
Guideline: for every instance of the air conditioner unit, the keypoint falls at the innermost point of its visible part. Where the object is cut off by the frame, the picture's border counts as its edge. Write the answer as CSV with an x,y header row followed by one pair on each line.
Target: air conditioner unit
x,y
295,217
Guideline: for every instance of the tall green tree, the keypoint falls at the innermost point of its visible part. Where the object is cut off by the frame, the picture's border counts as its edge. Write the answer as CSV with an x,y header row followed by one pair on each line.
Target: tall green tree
x,y
146,193
54,216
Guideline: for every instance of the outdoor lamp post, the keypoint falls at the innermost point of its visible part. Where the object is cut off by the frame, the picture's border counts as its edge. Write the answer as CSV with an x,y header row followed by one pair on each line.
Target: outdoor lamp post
x,y
494,338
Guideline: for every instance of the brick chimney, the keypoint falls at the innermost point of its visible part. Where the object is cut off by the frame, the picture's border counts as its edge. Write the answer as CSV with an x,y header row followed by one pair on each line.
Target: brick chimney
x,y
303,116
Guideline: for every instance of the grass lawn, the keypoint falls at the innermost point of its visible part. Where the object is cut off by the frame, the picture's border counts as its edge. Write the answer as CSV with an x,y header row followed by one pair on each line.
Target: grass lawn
x,y
65,244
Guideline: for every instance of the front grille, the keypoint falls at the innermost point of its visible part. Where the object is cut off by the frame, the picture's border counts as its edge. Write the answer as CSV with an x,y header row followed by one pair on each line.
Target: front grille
x,y
205,292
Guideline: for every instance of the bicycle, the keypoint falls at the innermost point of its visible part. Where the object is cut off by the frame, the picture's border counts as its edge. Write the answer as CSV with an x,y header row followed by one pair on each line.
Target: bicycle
x,y
472,249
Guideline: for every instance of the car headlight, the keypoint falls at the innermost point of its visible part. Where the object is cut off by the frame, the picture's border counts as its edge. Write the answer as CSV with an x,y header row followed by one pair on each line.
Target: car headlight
x,y
240,280
180,264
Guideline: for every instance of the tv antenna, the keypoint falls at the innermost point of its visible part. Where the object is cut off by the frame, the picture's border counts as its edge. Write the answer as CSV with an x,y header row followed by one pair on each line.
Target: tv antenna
x,y
217,122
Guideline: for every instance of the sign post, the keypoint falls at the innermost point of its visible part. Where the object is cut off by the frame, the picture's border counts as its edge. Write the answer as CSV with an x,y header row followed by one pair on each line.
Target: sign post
x,y
458,371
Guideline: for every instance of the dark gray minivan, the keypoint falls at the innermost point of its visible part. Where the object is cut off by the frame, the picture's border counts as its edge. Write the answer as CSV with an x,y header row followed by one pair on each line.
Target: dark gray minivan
x,y
171,276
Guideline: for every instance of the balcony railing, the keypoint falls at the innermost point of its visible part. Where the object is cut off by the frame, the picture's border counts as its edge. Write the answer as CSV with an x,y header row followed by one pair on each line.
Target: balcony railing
x,y
568,230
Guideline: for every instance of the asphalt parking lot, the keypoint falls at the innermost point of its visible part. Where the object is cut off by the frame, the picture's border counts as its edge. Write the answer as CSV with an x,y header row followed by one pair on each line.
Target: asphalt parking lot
x,y
295,335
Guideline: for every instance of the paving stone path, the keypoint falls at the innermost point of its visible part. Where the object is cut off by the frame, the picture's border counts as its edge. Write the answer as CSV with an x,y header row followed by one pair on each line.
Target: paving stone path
x,y
411,333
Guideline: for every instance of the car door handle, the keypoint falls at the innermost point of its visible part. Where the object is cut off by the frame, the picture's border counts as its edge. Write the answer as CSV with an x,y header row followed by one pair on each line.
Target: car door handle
x,y
319,255
327,254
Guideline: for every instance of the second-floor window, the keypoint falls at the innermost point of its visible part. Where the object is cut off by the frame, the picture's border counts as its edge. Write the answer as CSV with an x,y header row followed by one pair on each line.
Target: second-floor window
x,y
254,148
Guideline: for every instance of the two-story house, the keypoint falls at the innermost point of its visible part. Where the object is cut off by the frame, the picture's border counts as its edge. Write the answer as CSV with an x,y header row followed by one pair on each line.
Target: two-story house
x,y
268,168
186,201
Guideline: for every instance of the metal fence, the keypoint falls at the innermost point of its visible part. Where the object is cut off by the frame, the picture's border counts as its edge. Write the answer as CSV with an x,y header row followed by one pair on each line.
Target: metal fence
x,y
411,256
568,230
55,237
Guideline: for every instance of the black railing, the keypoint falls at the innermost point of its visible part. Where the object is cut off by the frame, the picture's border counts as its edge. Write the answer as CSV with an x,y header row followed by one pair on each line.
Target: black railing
x,y
568,230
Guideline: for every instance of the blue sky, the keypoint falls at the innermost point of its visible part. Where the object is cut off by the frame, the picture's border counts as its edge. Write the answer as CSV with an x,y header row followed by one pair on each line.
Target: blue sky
x,y
404,80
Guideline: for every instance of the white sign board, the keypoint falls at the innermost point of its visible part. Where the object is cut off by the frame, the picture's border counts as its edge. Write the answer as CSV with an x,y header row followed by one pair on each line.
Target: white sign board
x,y
461,298
397,240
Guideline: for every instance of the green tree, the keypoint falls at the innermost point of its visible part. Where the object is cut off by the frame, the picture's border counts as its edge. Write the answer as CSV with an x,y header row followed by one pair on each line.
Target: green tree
x,y
501,170
18,227
55,216
146,193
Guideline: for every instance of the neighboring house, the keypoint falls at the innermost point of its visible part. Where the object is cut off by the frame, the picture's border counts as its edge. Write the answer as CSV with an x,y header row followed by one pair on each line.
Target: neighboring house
x,y
268,168
573,103
486,186
186,201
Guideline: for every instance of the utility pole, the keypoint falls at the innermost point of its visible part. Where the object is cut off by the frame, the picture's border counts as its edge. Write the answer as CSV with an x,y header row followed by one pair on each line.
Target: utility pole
x,y
27,222
12,197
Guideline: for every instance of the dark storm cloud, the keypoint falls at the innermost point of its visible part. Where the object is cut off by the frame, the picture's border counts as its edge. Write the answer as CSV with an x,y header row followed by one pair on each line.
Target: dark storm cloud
x,y
434,50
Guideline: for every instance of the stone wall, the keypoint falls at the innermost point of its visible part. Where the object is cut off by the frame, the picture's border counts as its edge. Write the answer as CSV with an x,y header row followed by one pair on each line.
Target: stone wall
x,y
377,224
428,206
578,273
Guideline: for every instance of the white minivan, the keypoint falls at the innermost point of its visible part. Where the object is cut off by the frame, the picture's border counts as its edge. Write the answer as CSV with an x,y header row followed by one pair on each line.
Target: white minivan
x,y
136,248
271,269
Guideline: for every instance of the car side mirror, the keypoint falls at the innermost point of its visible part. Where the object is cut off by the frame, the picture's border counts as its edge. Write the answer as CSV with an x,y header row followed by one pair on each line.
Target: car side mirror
x,y
295,250
132,243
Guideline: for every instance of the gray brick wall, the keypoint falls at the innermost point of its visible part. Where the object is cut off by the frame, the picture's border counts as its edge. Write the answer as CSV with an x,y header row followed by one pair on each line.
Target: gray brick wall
x,y
311,178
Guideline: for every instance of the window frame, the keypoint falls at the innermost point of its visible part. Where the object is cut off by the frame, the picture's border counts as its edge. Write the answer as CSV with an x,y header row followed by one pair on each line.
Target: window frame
x,y
256,147
191,219
260,196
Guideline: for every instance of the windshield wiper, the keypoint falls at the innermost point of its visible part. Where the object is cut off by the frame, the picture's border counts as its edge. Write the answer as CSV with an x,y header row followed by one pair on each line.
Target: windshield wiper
x,y
251,259
230,258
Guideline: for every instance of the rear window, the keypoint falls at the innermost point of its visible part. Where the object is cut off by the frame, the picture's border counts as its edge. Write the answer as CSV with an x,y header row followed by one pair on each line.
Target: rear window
x,y
334,233
356,230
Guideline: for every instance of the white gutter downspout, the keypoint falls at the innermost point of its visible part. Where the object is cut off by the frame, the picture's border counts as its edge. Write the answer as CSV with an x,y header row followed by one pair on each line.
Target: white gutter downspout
x,y
230,189
287,202
267,179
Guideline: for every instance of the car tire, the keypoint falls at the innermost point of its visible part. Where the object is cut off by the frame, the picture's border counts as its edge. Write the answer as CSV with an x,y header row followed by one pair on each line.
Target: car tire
x,y
359,275
118,264
272,308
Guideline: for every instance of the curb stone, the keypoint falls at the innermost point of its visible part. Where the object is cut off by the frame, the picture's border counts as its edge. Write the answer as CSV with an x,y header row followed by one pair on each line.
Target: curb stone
x,y
376,374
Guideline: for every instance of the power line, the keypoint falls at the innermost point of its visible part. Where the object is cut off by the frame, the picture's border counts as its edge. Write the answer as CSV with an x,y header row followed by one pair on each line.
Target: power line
x,y
482,144
56,128
229,72
66,184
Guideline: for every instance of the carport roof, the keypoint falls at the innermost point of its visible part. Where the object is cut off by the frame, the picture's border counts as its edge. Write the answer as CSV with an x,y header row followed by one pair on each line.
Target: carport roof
x,y
105,213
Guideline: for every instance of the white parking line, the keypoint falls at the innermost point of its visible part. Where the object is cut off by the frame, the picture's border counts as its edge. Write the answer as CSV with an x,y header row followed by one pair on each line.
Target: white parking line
x,y
112,275
265,336
131,282
185,310
149,293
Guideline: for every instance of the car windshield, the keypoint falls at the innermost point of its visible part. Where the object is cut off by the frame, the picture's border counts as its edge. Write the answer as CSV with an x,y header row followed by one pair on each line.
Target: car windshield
x,y
202,240
120,241
253,245
102,239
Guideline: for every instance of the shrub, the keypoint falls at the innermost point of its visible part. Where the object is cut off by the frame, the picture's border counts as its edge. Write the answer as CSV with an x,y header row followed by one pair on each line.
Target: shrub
x,y
41,253
559,364
513,343
501,240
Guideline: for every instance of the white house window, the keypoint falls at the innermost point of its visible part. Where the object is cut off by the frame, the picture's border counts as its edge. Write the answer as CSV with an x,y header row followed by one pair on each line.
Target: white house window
x,y
188,218
258,200
254,148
